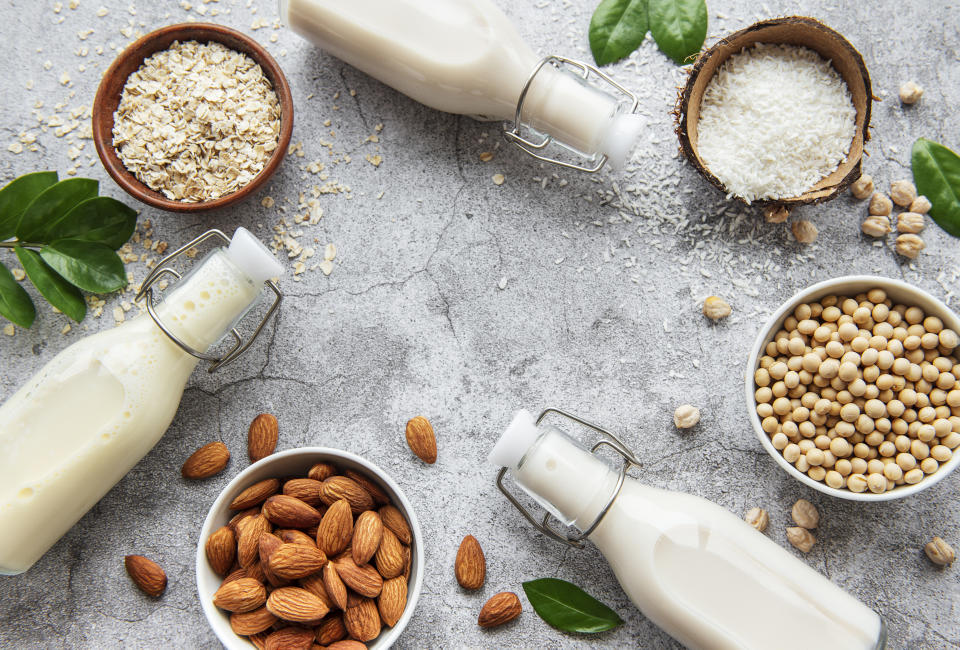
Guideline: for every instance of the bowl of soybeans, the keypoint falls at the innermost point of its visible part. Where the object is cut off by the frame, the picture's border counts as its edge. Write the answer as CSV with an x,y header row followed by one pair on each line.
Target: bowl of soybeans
x,y
853,387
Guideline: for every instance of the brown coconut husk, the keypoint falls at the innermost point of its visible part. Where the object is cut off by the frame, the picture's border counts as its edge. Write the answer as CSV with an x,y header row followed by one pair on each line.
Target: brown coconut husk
x,y
793,30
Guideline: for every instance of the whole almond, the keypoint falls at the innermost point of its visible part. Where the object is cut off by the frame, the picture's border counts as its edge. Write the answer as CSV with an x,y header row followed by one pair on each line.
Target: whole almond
x,y
394,520
255,494
392,600
221,549
365,580
259,640
347,644
330,630
336,528
501,608
146,574
248,538
288,512
407,562
470,566
255,571
293,561
243,595
290,638
235,575
314,584
206,461
363,620
235,520
294,536
389,557
421,439
321,471
305,489
247,623
262,436
335,587
367,532
376,492
268,544
296,604
341,487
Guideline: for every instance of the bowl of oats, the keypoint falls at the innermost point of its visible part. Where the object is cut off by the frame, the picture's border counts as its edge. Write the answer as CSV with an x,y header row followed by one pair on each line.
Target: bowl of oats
x,y
192,117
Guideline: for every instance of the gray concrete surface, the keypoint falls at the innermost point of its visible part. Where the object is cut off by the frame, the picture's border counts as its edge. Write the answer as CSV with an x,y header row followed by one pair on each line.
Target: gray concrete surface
x,y
599,315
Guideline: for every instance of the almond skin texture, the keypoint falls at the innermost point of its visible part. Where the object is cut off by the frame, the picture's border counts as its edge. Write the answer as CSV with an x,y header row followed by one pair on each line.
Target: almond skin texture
x,y
305,489
259,640
293,536
336,590
321,471
363,620
205,462
248,538
341,487
336,528
262,436
255,494
243,595
347,644
367,532
421,439
394,520
293,561
314,584
248,623
268,544
389,557
296,605
221,549
288,512
470,566
365,580
392,600
376,492
501,608
290,638
146,574
235,575
235,520
331,630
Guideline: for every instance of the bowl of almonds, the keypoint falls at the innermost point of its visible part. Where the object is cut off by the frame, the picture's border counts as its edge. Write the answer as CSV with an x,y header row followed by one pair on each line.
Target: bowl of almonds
x,y
310,546
852,387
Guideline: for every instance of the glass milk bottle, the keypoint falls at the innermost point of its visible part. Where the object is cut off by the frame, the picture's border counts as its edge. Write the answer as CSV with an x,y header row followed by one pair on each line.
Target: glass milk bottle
x,y
464,56
94,410
705,576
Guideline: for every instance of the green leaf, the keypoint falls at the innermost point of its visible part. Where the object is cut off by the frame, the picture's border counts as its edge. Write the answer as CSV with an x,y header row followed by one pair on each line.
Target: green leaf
x,y
58,292
51,204
617,28
936,173
15,303
568,607
100,219
679,27
88,265
15,197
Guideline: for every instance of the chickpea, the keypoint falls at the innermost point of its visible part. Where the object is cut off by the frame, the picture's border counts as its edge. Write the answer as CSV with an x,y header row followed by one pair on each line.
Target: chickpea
x,y
929,465
877,483
857,482
892,471
792,452
834,479
913,476
906,461
941,453
858,465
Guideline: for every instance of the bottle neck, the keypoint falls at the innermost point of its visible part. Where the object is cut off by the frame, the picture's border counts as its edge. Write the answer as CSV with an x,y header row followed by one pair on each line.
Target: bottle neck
x,y
566,479
208,301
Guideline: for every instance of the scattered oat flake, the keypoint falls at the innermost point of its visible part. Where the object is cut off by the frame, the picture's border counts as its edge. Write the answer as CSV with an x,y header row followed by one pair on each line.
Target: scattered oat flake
x,y
8,329
375,159
503,283
267,202
15,147
326,266
18,274
101,12
486,156
66,329
498,179
64,78
329,252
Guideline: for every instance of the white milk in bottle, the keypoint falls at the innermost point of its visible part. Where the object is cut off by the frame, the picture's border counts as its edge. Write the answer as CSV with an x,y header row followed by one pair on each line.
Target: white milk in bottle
x,y
464,56
82,422
702,574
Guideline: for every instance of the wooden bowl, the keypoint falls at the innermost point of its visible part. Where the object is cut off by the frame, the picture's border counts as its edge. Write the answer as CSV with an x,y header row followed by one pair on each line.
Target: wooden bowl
x,y
794,30
111,87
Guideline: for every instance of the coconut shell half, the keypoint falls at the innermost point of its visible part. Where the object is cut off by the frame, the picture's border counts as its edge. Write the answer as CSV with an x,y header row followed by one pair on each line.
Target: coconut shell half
x,y
794,30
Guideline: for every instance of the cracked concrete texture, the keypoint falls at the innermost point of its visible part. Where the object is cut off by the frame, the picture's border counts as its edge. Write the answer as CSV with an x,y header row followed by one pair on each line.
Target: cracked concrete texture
x,y
599,315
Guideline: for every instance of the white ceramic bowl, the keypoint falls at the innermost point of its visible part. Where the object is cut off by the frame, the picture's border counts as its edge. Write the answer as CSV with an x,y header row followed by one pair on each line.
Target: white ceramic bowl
x,y
898,292
296,462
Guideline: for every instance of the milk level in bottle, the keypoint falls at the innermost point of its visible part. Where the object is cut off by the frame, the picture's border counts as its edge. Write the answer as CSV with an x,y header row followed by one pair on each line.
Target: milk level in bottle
x,y
464,56
706,577
93,411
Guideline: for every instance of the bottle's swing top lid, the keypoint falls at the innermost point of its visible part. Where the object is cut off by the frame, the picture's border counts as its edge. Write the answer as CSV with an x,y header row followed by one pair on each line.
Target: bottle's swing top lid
x,y
515,441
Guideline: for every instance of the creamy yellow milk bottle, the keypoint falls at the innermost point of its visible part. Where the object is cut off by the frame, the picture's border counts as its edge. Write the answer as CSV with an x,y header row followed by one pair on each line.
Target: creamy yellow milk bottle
x,y
464,56
82,422
705,576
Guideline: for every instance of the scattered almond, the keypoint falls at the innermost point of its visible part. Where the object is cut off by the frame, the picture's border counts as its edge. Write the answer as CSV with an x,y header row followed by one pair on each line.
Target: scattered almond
x,y
501,608
367,532
205,462
421,439
221,549
146,574
255,494
470,566
262,436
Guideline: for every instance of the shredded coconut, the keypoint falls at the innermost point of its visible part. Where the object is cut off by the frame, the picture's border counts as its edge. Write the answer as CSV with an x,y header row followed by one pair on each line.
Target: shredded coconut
x,y
775,120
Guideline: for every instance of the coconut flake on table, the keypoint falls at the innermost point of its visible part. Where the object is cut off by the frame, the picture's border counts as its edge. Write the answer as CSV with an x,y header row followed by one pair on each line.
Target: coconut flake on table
x,y
774,121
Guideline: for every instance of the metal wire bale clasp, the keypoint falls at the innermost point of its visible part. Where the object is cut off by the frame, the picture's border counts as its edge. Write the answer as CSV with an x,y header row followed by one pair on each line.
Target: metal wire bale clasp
x,y
544,526
535,149
239,347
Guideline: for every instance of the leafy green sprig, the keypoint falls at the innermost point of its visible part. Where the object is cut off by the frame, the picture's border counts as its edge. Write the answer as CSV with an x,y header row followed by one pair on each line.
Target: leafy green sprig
x,y
65,237
567,607
618,27
936,173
